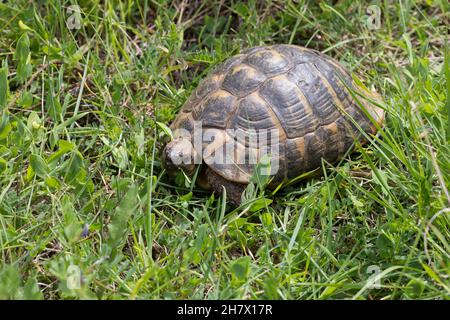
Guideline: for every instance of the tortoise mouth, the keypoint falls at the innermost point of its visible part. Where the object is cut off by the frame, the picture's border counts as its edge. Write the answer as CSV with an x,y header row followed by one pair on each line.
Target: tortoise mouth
x,y
178,155
167,163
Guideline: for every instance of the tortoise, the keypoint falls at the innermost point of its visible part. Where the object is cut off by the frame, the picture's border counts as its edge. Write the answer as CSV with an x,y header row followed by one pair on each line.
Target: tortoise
x,y
306,99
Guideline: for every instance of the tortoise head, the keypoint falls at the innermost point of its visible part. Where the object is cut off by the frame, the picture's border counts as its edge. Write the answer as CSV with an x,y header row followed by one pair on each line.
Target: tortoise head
x,y
179,154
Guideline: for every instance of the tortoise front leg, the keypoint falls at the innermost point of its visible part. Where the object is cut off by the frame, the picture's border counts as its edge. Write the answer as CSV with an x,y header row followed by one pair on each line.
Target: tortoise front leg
x,y
233,190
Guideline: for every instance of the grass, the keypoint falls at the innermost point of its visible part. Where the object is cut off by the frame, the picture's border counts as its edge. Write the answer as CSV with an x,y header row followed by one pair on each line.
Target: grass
x,y
87,210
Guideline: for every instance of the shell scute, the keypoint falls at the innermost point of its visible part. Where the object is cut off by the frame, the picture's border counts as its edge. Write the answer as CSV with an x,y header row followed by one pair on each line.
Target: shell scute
x,y
242,79
290,105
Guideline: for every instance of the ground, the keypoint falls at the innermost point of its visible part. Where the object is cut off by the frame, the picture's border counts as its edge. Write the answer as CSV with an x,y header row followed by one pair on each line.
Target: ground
x,y
87,91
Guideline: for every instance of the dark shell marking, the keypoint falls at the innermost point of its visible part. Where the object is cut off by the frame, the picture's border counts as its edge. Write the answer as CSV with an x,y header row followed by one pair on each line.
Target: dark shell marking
x,y
296,90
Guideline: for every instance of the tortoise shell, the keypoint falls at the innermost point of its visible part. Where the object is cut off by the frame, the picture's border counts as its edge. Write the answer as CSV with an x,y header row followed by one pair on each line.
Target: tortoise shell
x,y
303,94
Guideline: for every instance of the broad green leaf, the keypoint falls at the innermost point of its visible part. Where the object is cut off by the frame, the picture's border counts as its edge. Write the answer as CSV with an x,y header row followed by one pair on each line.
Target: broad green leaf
x,y
72,226
266,219
22,48
121,156
30,173
240,268
74,167
39,165
166,129
139,139
119,223
23,56
64,147
25,100
186,197
52,182
53,106
260,204
5,125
